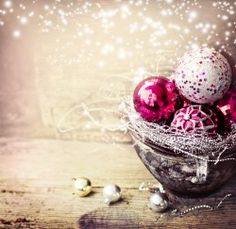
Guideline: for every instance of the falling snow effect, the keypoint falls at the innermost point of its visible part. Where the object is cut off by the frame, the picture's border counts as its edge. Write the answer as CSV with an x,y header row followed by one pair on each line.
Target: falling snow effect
x,y
129,27
125,40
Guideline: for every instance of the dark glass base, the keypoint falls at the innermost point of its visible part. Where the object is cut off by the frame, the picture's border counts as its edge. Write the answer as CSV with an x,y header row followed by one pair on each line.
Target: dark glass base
x,y
183,175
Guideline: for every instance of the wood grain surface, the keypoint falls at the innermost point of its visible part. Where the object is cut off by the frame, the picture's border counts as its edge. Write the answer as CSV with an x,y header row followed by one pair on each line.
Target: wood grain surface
x,y
36,189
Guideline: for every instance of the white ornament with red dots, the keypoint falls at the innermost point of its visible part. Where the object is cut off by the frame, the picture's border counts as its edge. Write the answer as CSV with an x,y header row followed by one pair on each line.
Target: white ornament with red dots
x,y
203,75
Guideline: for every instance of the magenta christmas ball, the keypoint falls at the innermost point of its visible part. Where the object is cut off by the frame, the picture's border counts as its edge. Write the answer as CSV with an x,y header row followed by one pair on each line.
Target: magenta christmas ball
x,y
203,76
227,106
196,119
156,99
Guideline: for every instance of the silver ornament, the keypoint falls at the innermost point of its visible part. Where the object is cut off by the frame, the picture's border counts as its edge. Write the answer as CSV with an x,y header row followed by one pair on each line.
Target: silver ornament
x,y
157,202
83,186
111,193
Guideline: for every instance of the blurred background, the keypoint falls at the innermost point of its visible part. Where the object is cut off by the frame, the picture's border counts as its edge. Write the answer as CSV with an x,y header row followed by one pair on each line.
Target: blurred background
x,y
65,66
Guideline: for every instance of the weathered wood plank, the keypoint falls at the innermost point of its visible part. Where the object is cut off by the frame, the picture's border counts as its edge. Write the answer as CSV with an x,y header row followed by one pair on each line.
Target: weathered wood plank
x,y
36,189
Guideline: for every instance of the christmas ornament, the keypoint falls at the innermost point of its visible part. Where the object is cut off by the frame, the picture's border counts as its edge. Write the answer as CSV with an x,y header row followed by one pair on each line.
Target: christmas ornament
x,y
111,193
227,105
82,186
195,119
185,101
156,99
158,202
203,76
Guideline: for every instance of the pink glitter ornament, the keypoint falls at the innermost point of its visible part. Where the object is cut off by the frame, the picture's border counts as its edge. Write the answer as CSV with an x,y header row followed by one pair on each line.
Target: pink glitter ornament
x,y
196,119
203,76
227,105
156,99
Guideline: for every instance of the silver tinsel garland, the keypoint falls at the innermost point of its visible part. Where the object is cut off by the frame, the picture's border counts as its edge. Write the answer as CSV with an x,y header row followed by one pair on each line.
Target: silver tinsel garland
x,y
213,148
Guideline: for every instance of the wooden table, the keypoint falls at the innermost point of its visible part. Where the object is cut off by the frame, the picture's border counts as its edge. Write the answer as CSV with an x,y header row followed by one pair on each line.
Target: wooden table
x,y
36,189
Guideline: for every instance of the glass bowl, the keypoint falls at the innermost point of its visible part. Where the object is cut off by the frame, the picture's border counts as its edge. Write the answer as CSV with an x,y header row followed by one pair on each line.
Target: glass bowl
x,y
185,175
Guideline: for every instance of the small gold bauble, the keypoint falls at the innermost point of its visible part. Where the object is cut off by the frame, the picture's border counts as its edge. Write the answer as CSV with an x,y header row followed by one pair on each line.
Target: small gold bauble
x,y
83,186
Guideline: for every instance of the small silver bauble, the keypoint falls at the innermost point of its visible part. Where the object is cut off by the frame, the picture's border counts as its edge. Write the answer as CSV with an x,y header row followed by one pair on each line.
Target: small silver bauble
x,y
157,202
111,193
83,186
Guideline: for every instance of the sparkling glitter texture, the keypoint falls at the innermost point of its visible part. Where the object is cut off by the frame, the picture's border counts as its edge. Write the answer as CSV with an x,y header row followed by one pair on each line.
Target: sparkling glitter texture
x,y
203,76
123,30
156,99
